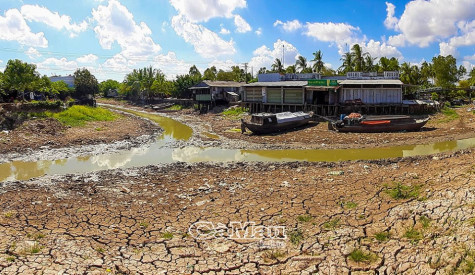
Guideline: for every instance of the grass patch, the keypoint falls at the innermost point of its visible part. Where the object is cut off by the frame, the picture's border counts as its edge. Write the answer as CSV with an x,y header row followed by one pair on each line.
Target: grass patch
x,y
350,205
144,224
235,112
360,256
100,250
167,235
449,115
304,218
273,254
78,115
8,214
331,224
425,221
413,235
176,107
296,236
10,259
382,236
399,191
34,249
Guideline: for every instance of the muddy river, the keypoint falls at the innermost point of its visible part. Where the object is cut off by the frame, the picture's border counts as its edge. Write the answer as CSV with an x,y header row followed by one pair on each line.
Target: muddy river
x,y
159,153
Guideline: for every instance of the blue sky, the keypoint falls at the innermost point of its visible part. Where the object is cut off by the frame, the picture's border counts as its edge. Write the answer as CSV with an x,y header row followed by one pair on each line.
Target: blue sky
x,y
112,37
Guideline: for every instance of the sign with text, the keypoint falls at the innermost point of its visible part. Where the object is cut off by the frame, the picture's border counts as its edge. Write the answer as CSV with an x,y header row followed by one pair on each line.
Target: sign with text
x,y
322,82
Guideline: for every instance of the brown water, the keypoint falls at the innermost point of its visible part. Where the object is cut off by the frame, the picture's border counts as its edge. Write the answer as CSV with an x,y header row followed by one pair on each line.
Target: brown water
x,y
158,153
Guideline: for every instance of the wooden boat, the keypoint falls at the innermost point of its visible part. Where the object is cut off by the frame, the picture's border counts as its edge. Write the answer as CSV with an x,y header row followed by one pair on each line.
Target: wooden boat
x,y
265,123
378,124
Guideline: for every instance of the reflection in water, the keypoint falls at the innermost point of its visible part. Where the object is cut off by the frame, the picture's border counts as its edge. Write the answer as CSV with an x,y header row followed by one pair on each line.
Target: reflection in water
x,y
157,153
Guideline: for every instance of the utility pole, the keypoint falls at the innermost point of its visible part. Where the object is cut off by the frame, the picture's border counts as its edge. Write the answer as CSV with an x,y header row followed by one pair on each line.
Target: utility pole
x,y
283,62
245,72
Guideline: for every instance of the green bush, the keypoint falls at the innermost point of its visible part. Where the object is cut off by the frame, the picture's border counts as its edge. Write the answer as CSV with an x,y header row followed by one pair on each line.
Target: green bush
x,y
48,105
400,191
358,256
235,112
78,115
176,107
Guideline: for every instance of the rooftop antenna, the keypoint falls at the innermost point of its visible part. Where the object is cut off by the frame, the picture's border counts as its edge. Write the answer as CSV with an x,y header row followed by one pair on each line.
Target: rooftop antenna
x,y
283,61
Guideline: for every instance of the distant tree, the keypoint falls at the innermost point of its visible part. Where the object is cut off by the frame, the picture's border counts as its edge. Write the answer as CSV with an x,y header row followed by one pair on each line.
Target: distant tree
x,y
386,64
194,72
328,71
182,85
471,78
461,72
139,82
291,69
225,75
210,74
85,83
59,88
262,70
369,65
2,84
358,57
19,76
318,65
445,71
43,85
347,65
301,63
108,85
277,67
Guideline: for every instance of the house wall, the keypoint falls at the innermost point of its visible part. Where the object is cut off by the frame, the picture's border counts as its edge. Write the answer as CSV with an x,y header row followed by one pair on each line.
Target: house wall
x,y
372,95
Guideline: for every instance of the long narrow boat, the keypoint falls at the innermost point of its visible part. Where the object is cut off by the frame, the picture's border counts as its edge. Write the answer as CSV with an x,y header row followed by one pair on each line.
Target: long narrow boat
x,y
265,123
378,124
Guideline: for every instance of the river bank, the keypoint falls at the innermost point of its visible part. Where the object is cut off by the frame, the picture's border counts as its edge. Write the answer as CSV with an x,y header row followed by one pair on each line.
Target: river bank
x,y
48,139
217,130
411,215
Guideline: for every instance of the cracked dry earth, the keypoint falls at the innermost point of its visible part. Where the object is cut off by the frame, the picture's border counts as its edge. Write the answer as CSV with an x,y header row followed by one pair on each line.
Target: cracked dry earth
x,y
339,218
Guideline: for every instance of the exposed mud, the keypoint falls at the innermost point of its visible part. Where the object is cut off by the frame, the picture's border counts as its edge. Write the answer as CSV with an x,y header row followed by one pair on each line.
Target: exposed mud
x,y
136,221
47,139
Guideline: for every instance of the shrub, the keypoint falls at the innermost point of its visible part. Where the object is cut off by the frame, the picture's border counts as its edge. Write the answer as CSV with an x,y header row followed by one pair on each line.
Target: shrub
x,y
235,112
304,218
413,235
176,107
296,236
382,236
400,191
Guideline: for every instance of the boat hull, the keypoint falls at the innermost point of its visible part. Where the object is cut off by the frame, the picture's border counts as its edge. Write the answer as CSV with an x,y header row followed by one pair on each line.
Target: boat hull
x,y
272,128
380,128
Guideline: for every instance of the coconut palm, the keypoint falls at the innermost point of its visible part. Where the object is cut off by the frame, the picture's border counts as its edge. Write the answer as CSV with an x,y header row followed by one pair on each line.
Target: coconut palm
x,y
347,65
291,69
277,66
358,57
369,63
318,65
301,63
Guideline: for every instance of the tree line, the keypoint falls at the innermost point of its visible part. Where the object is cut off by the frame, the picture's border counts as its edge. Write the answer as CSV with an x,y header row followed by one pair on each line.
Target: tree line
x,y
148,82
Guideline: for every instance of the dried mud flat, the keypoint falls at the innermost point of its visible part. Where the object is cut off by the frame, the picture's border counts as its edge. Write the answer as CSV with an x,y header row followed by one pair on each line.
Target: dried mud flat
x,y
339,218
48,139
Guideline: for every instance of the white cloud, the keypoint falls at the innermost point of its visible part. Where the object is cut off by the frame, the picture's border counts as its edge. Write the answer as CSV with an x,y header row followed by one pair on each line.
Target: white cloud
x,y
424,22
223,64
33,53
264,56
391,21
116,24
466,39
86,59
13,27
170,65
224,30
203,10
377,49
241,25
332,32
289,26
469,57
44,15
119,63
258,32
468,65
62,65
397,40
206,43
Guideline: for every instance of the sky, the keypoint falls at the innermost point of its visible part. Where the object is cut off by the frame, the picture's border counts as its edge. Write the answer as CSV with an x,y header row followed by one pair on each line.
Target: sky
x,y
113,37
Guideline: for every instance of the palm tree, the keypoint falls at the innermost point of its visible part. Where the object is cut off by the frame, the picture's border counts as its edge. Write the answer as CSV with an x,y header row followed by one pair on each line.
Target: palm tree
x,y
318,65
291,69
369,63
406,73
301,63
358,57
347,65
277,66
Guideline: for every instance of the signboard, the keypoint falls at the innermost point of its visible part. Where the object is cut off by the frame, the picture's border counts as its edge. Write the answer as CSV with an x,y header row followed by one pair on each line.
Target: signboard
x,y
322,82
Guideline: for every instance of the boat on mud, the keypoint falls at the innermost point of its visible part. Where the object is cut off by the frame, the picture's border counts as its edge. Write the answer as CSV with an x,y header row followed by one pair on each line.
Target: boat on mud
x,y
266,123
356,123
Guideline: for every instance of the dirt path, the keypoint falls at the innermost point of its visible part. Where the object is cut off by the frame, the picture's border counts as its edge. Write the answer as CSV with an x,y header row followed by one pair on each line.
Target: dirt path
x,y
337,217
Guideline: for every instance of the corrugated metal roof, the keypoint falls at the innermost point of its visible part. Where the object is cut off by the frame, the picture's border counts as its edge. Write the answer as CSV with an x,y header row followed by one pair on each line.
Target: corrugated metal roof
x,y
208,83
370,81
278,84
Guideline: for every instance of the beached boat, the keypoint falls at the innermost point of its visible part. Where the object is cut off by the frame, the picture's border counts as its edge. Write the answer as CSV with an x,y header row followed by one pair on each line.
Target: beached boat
x,y
265,123
377,124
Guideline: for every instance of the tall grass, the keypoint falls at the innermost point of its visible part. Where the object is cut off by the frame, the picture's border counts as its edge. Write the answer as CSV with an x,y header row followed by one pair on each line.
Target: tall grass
x,y
450,114
78,115
235,112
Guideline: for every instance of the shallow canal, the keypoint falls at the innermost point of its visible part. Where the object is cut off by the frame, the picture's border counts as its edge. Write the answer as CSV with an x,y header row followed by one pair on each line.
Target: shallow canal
x,y
158,153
